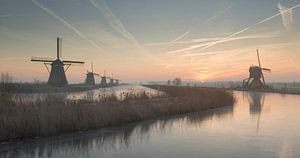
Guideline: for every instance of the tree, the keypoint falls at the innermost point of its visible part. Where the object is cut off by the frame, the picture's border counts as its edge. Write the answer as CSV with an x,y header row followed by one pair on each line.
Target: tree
x,y
177,81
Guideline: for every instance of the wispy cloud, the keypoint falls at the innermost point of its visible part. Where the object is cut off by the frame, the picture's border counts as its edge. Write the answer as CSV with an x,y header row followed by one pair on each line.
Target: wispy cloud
x,y
230,37
192,41
216,40
203,23
5,16
119,27
11,33
113,20
67,24
287,17
201,54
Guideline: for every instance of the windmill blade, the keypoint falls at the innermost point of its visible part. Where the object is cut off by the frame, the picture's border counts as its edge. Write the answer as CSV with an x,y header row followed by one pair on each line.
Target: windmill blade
x,y
73,62
266,69
57,48
263,77
92,66
60,47
42,59
96,74
258,58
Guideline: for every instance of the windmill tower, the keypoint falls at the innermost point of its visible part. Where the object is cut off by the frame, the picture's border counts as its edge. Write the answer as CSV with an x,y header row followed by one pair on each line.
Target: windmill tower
x,y
117,81
58,72
103,80
111,80
256,79
90,79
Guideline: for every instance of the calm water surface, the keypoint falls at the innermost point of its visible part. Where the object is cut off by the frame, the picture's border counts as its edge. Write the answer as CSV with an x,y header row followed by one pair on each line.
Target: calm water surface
x,y
258,125
96,94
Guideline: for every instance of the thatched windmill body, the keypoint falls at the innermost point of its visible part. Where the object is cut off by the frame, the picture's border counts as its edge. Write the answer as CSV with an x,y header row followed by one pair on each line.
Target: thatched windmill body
x,y
111,80
256,79
57,75
103,80
117,81
90,76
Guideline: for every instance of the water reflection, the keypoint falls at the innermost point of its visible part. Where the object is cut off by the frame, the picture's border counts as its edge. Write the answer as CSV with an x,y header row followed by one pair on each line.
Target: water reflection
x,y
256,102
119,92
229,132
109,139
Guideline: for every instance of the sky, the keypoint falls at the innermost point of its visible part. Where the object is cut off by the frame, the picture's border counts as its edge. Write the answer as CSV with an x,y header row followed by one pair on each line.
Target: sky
x,y
136,40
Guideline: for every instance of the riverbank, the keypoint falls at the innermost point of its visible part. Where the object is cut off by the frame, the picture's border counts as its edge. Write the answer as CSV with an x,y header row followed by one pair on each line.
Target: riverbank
x,y
279,91
53,116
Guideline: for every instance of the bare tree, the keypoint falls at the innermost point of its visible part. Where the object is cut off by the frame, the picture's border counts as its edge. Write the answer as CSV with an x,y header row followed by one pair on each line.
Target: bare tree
x,y
177,81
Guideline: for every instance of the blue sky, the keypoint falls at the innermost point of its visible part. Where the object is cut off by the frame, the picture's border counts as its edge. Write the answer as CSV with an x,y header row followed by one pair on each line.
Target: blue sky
x,y
154,39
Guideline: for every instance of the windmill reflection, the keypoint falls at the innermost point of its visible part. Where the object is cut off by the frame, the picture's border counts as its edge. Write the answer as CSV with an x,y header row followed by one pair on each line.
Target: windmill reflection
x,y
256,103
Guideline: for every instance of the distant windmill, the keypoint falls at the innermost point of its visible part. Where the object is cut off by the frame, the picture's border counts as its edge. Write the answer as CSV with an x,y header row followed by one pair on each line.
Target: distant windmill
x,y
256,78
117,81
90,79
103,80
111,80
57,74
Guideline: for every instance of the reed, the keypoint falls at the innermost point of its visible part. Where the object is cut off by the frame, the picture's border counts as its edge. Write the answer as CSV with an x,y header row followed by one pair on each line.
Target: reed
x,y
50,115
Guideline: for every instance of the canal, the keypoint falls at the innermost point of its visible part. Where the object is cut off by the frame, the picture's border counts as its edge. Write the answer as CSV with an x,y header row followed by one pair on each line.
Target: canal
x,y
258,125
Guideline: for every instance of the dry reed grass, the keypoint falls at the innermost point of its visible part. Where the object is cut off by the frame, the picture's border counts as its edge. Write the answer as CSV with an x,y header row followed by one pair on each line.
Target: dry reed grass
x,y
54,115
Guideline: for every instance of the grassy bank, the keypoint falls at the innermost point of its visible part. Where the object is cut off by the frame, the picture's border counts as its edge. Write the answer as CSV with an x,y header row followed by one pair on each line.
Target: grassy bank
x,y
52,116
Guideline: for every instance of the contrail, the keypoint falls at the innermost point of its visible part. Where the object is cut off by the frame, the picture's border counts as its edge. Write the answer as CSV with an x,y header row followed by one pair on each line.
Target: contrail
x,y
229,38
118,26
287,18
114,21
251,26
219,41
205,22
50,12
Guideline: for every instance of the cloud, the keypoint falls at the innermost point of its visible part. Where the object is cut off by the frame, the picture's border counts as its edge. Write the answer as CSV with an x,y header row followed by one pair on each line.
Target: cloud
x,y
216,40
286,16
118,26
203,23
68,25
228,38
5,16
114,21
200,54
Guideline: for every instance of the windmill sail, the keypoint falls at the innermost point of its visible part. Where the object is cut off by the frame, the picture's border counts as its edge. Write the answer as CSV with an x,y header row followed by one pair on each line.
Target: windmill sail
x,y
57,74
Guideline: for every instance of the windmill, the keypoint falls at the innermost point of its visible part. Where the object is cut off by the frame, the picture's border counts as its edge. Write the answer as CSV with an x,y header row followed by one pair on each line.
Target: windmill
x,y
58,71
90,79
111,80
103,80
256,78
117,81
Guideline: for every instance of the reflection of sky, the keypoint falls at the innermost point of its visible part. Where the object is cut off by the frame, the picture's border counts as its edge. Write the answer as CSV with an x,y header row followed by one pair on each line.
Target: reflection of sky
x,y
228,132
134,39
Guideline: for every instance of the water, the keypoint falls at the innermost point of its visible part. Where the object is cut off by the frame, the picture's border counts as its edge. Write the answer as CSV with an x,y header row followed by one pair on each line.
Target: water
x,y
258,125
96,94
